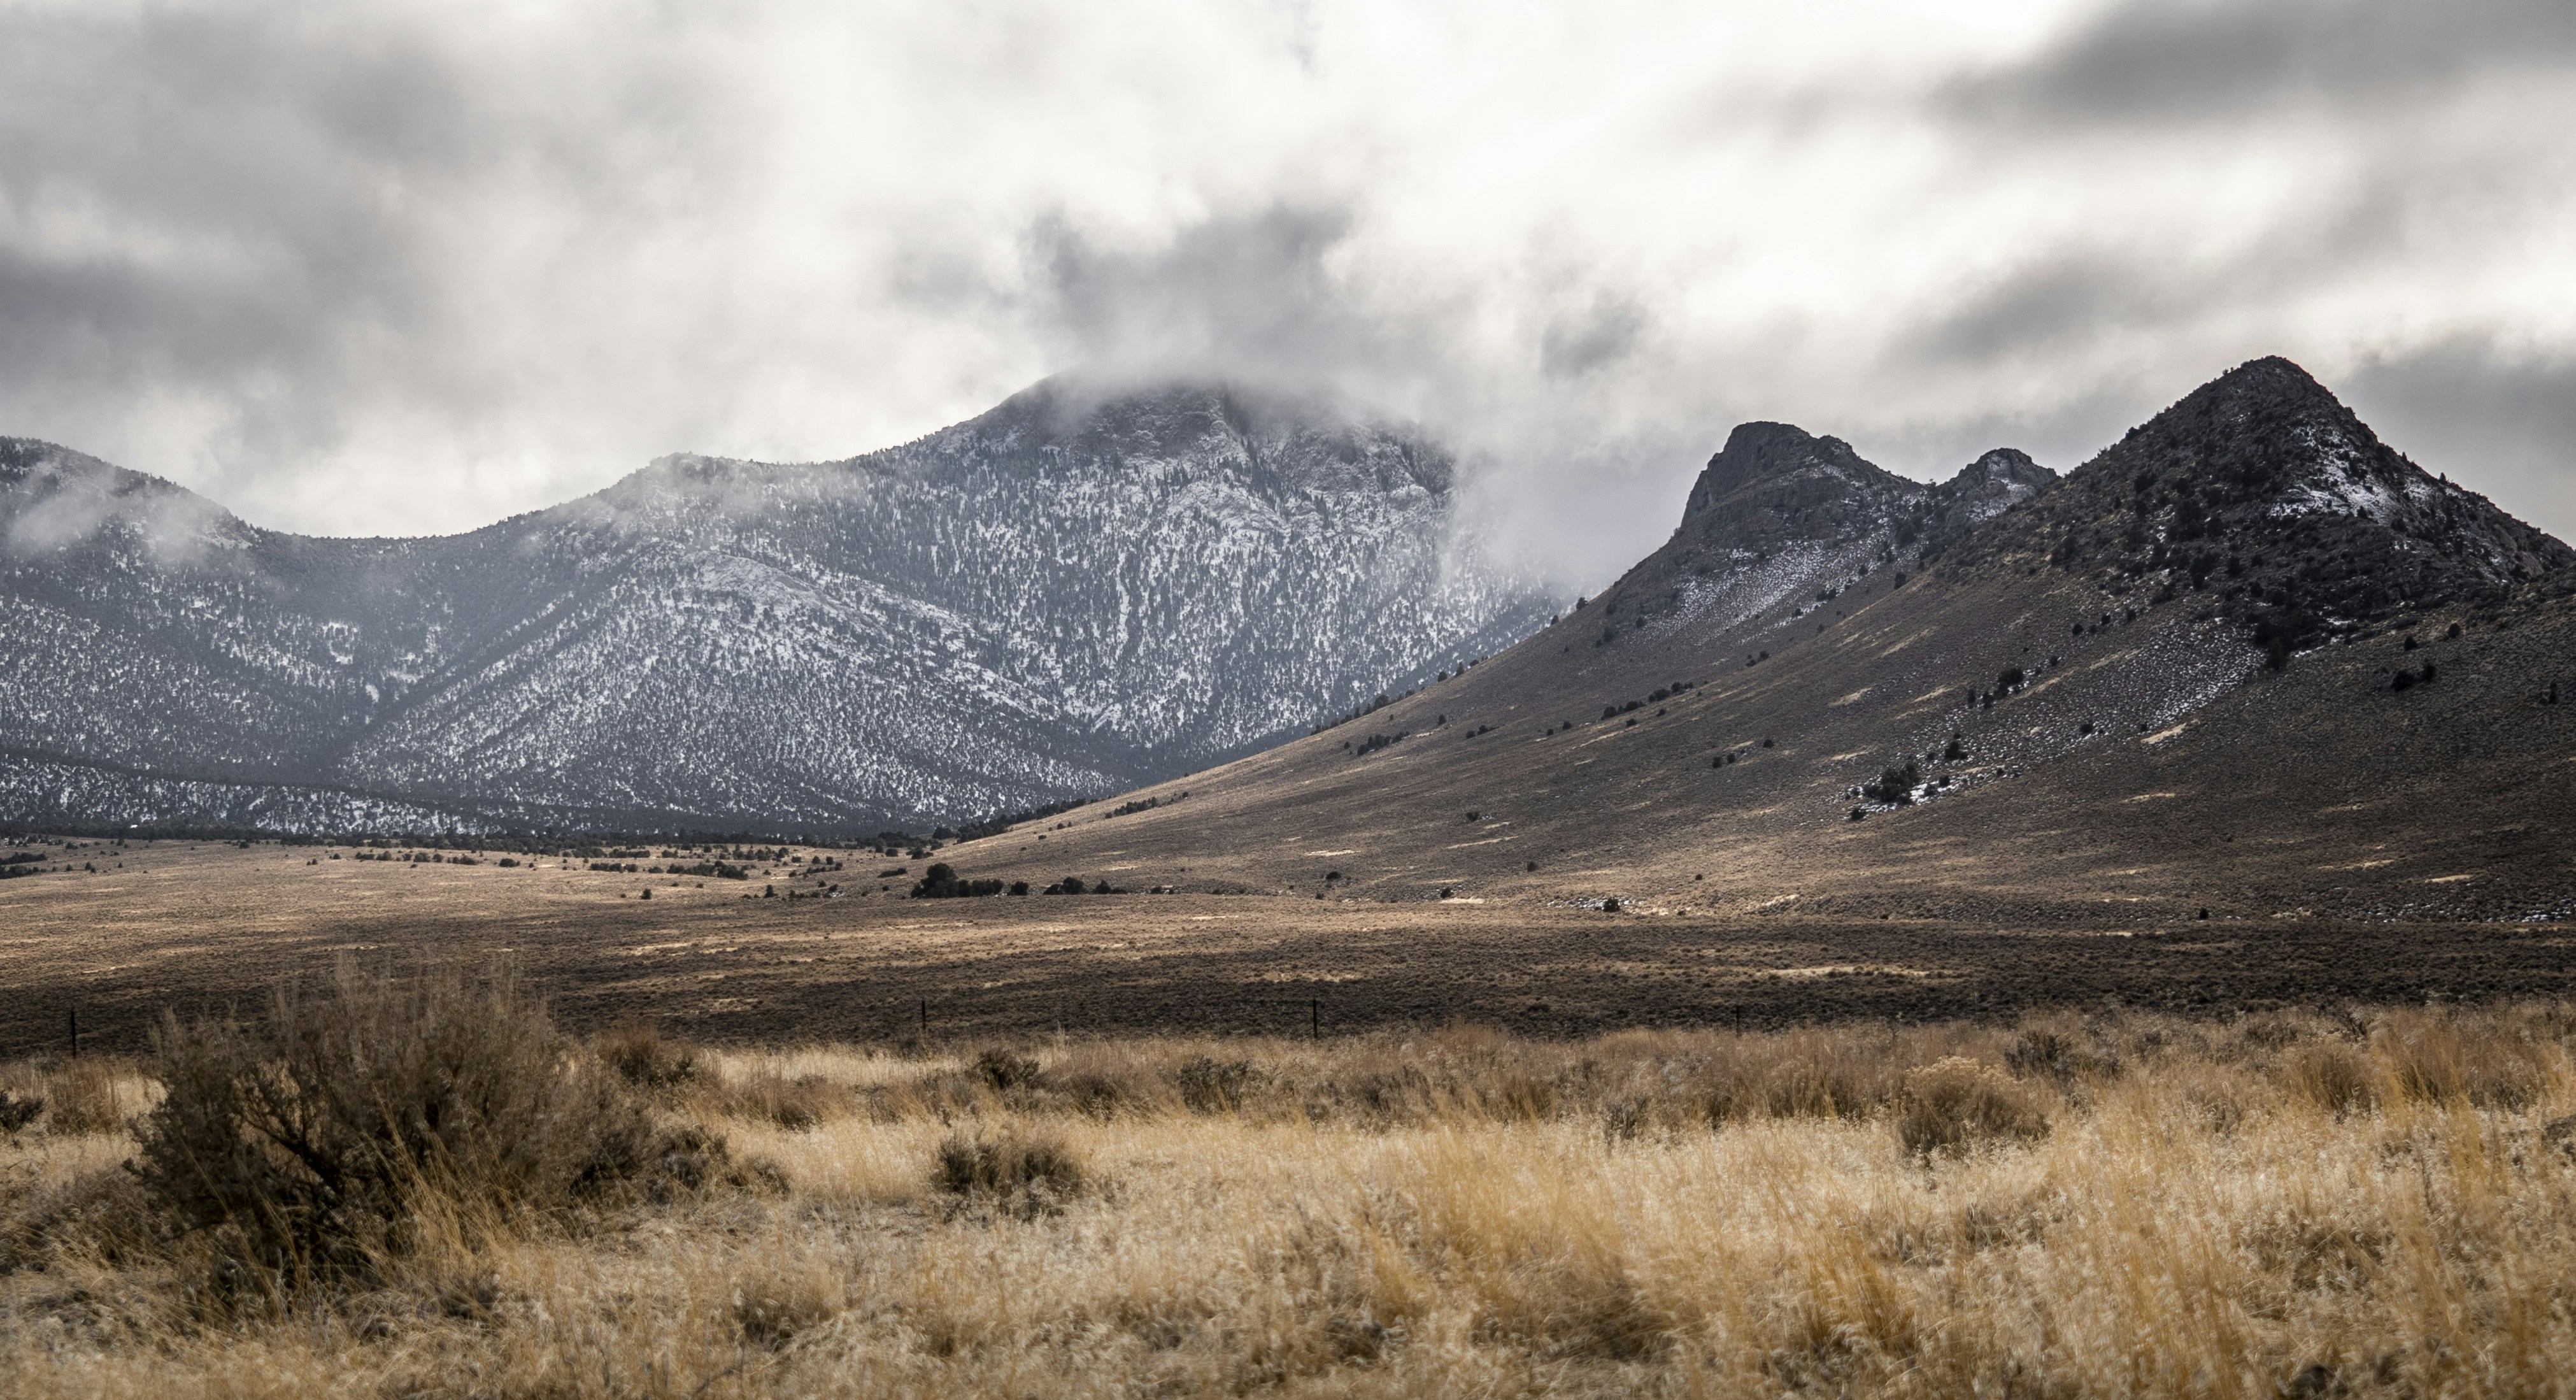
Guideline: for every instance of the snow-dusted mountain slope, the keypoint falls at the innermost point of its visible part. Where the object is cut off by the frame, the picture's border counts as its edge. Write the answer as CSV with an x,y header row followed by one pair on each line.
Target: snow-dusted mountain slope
x,y
1069,595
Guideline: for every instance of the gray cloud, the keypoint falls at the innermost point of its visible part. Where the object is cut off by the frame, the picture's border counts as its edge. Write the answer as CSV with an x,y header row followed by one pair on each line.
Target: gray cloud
x,y
2199,61
2476,410
378,269
1247,293
2033,308
1595,337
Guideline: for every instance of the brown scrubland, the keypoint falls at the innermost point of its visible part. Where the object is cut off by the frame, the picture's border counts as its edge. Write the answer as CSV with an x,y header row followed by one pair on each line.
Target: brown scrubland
x,y
414,1184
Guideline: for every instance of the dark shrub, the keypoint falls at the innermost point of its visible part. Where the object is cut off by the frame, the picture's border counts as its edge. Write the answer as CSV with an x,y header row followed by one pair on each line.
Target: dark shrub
x,y
1004,1070
639,1054
796,1103
16,1113
300,1145
1209,1085
2055,1053
1007,1164
772,1312
1953,1104
1895,785
100,1216
2334,1076
941,882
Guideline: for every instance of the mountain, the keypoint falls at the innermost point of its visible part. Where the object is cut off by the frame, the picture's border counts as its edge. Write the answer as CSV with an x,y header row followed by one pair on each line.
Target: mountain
x,y
1778,511
2247,660
1077,591
2311,526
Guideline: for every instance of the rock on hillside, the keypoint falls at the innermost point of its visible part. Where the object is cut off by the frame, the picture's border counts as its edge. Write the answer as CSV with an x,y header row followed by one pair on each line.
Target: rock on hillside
x,y
1073,593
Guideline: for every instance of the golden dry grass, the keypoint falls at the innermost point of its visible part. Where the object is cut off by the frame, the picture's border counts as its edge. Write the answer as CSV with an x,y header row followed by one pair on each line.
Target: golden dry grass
x,y
2381,1202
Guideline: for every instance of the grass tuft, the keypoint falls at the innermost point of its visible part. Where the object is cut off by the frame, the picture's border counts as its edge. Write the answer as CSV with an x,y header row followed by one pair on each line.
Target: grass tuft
x,y
1956,1103
1008,1163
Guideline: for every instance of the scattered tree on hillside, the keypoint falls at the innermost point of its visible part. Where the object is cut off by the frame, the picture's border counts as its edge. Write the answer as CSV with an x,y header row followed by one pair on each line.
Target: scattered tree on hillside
x,y
1895,786
941,882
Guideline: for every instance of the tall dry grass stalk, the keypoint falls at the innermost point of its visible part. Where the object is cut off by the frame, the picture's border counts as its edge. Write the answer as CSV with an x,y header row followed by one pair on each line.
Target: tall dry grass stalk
x,y
2371,1203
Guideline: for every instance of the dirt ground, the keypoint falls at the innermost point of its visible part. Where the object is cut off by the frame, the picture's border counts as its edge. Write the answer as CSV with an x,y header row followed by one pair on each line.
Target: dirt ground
x,y
202,926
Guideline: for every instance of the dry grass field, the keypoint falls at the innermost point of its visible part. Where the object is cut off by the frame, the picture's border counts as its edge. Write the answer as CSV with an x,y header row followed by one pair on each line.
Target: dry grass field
x,y
2378,1201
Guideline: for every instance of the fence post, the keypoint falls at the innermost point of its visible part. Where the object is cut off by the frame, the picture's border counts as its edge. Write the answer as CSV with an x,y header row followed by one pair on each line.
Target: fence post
x,y
1315,1018
74,1012
925,1018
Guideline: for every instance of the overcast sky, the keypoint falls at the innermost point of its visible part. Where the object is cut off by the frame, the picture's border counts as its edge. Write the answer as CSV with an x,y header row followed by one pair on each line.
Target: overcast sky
x,y
408,268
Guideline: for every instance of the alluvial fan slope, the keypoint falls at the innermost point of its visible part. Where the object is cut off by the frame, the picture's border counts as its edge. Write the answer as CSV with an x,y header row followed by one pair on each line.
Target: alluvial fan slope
x,y
1073,593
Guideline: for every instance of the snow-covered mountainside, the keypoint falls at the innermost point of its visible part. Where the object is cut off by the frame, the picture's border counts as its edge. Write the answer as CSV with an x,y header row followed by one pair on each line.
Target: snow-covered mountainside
x,y
1071,594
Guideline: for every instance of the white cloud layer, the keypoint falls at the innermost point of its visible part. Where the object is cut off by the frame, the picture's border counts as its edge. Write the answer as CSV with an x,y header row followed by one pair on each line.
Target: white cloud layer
x,y
388,268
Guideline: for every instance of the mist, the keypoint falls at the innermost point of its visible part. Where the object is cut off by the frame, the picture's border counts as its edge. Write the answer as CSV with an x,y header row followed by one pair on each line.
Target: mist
x,y
383,271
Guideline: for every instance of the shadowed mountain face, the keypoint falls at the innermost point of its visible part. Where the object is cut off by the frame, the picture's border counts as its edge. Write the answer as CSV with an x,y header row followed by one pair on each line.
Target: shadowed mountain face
x,y
2246,660
1070,594
2266,502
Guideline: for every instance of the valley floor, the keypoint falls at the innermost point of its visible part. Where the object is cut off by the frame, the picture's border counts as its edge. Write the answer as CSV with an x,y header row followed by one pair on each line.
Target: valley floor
x,y
204,926
2377,1202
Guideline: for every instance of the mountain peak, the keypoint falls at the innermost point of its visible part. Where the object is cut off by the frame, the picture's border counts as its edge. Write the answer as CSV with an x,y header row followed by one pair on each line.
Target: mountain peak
x,y
2268,374
1773,488
53,498
2262,493
2257,394
2002,464
1760,452
1997,481
1275,440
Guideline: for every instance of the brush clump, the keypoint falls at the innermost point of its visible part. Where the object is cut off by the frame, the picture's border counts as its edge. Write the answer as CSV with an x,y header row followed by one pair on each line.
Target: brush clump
x,y
314,1143
1033,1169
1955,1103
